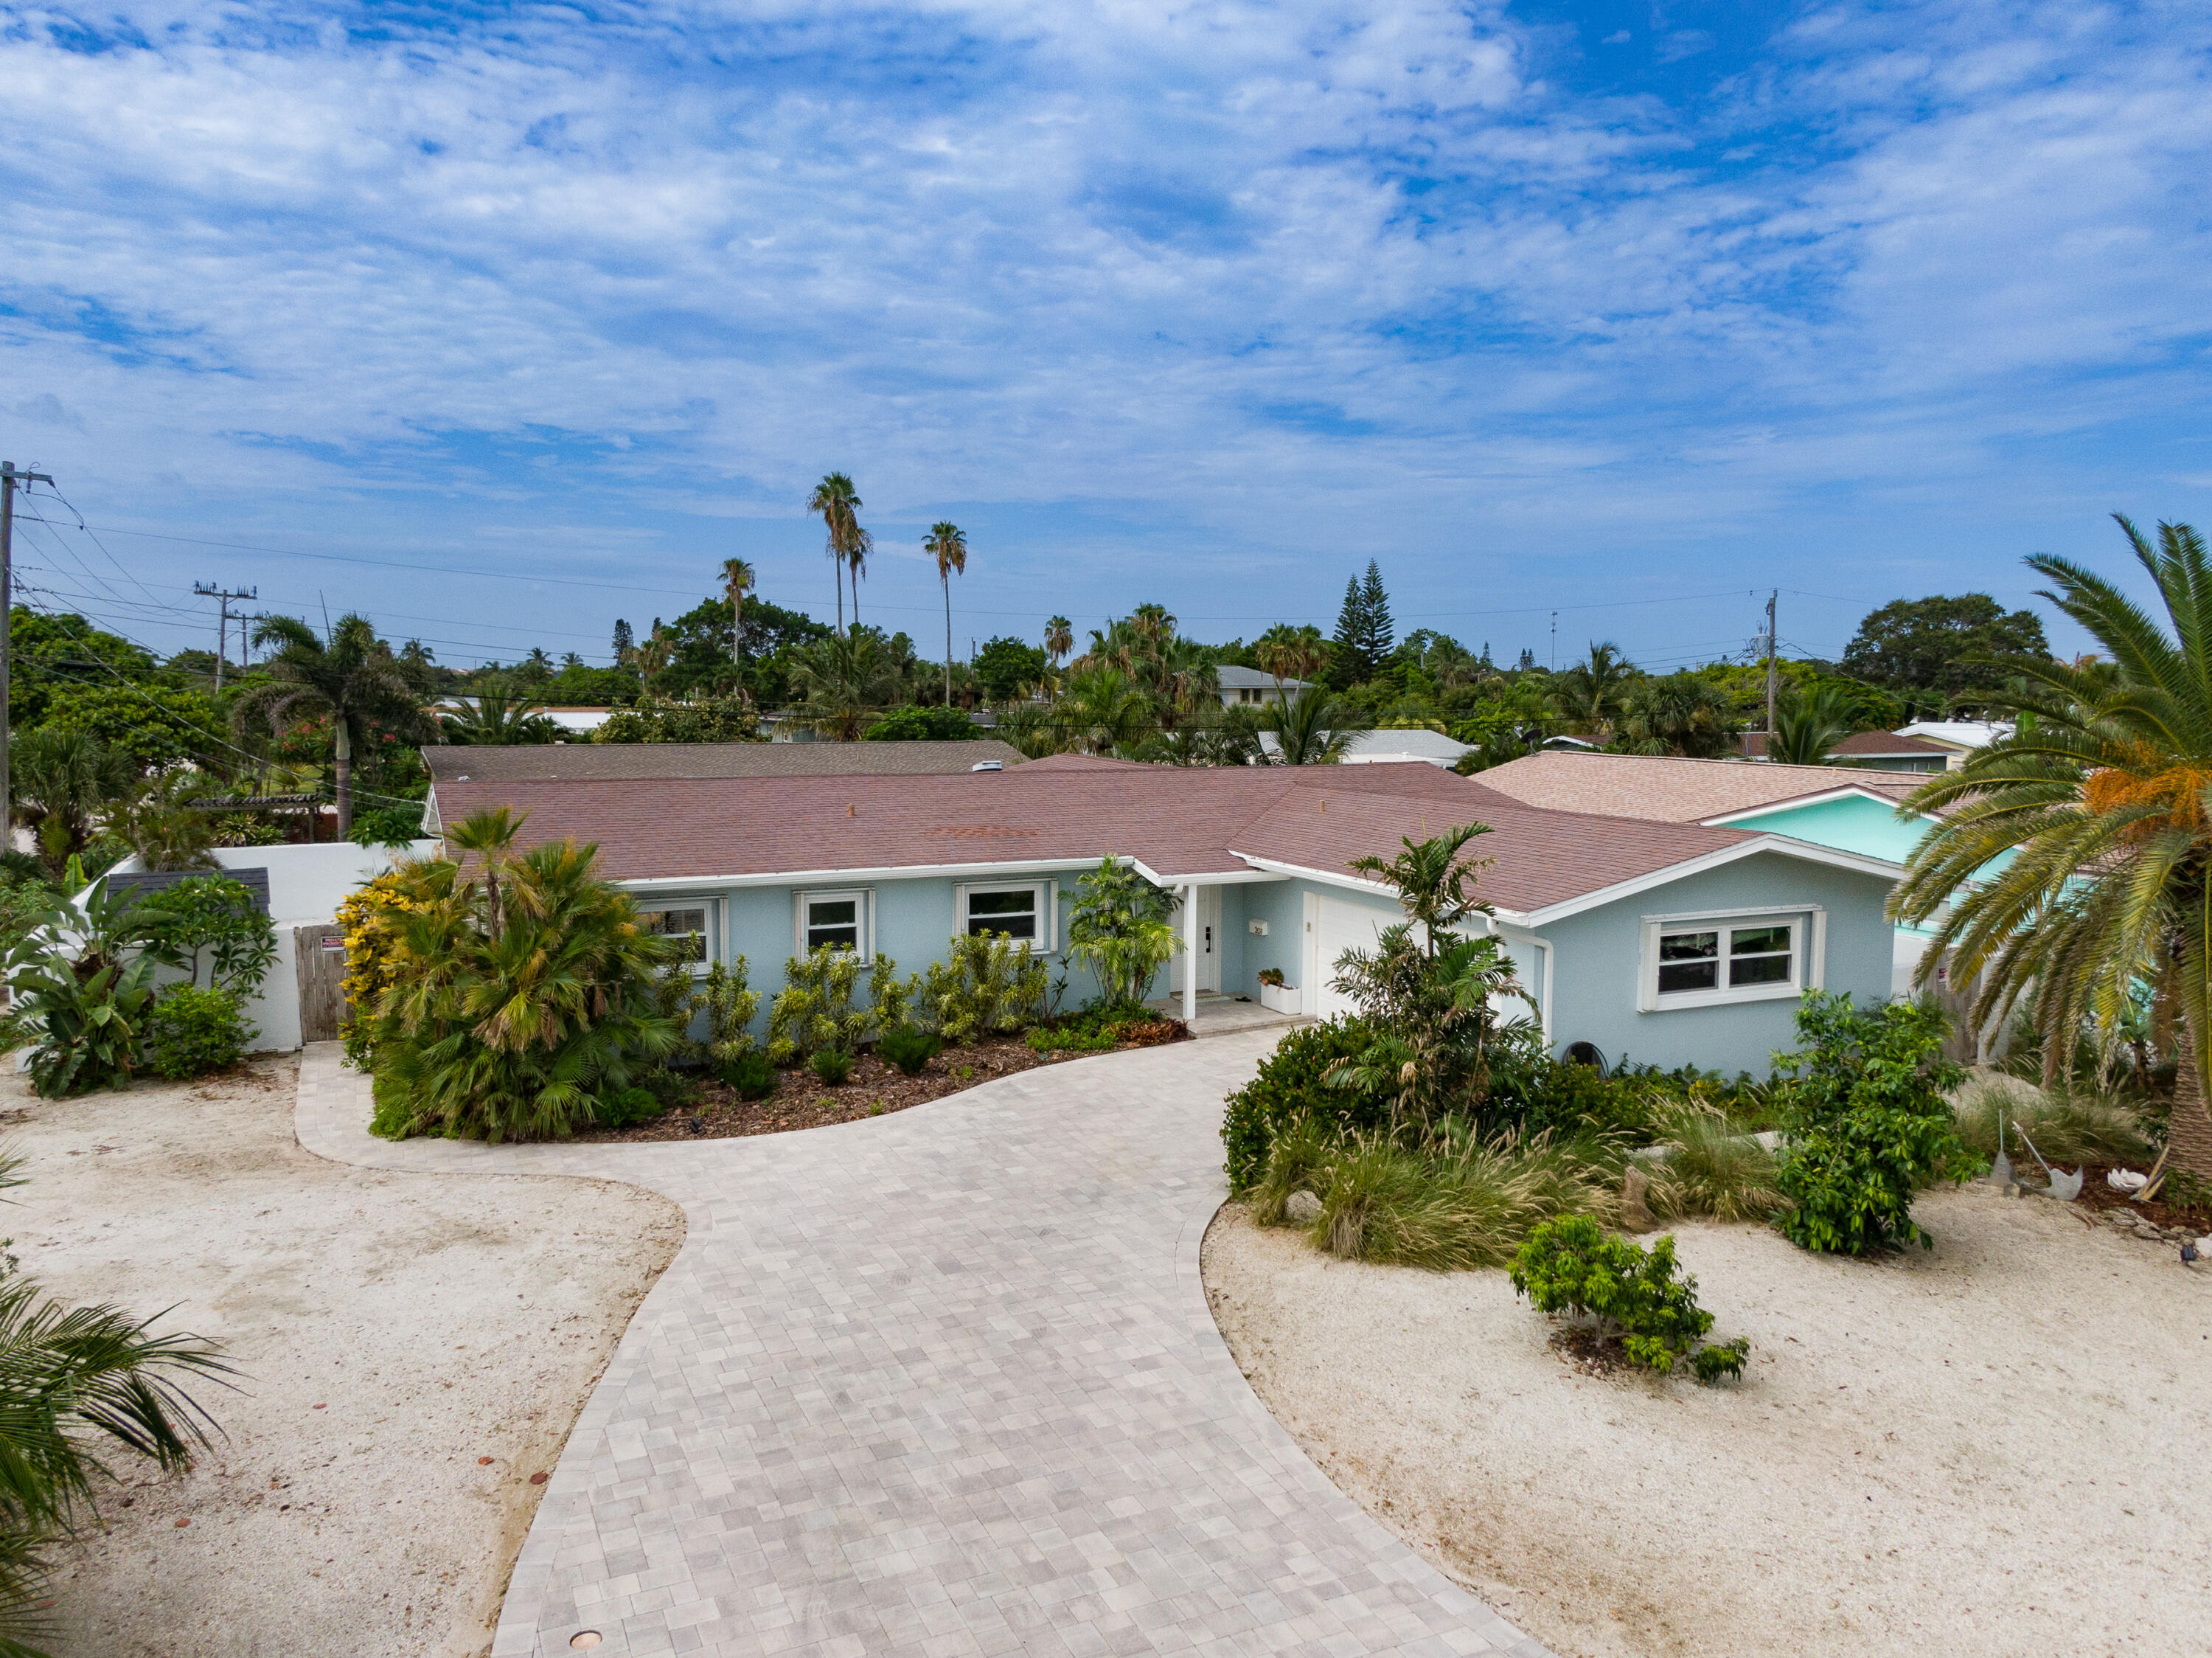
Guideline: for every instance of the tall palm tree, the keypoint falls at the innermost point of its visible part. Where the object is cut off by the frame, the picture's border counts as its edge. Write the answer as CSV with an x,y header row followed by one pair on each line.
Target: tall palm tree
x,y
63,779
736,581
2099,802
844,683
1313,729
1058,639
1808,727
351,679
837,504
1593,692
949,546
1287,653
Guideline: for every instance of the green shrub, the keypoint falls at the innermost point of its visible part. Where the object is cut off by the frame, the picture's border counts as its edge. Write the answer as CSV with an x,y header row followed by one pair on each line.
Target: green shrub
x,y
211,923
1062,1039
2067,1126
909,1047
1711,1167
1289,1088
814,1010
1570,1265
750,1076
990,985
730,1008
1869,1123
832,1065
88,1008
1118,927
630,1106
192,1030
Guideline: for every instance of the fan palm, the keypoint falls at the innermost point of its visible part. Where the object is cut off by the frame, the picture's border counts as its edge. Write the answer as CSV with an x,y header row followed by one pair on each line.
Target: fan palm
x,y
2072,861
497,711
837,504
63,778
1808,727
1102,710
1680,714
1058,639
351,680
949,546
736,581
1313,729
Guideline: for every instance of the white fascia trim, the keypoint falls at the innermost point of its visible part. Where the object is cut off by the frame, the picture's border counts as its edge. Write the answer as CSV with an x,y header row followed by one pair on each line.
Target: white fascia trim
x,y
1848,791
1805,850
1206,878
853,877
1274,869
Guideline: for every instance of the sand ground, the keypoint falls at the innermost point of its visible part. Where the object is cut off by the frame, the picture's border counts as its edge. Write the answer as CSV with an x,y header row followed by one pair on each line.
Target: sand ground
x,y
1996,1449
392,1329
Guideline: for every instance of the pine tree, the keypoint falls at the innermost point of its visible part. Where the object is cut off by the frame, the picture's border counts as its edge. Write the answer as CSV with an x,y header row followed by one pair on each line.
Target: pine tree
x,y
1349,662
1380,632
624,643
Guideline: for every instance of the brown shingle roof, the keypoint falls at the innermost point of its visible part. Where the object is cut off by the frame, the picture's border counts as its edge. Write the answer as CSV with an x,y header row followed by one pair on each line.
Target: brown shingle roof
x,y
552,762
1861,745
1176,820
1659,787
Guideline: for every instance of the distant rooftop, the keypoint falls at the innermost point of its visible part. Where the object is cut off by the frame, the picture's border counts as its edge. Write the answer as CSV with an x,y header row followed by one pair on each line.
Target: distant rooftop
x,y
1661,788
640,761
1251,679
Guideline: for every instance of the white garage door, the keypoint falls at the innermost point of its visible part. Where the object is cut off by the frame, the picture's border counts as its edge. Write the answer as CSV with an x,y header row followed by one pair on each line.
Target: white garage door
x,y
1333,927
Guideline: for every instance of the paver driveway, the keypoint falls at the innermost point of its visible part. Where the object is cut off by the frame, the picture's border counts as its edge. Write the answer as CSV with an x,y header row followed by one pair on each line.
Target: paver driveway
x,y
942,1383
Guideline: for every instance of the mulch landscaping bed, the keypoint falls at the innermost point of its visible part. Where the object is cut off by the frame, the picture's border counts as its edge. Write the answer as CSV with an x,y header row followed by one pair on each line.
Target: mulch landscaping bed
x,y
2095,1194
874,1090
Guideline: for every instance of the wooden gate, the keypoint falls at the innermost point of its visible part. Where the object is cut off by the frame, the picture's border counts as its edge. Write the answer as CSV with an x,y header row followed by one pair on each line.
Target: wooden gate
x,y
320,949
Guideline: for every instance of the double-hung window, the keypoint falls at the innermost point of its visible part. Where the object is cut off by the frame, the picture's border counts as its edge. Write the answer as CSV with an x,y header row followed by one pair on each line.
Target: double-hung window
x,y
1023,910
1690,962
686,922
839,920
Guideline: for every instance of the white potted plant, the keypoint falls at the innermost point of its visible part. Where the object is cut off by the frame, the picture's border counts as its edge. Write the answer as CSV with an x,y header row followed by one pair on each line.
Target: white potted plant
x,y
1274,995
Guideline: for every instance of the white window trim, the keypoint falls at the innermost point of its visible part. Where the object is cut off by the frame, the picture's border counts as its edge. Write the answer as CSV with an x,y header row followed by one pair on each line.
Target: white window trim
x,y
1047,942
866,898
712,928
1808,958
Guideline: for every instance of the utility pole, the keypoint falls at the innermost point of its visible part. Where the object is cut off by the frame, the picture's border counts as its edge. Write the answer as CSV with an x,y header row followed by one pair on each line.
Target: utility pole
x,y
1555,642
1771,597
10,479
209,590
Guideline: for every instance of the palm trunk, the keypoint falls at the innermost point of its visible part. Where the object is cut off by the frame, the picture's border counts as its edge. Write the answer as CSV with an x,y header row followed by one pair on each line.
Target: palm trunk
x,y
2188,1131
947,580
343,771
837,575
856,597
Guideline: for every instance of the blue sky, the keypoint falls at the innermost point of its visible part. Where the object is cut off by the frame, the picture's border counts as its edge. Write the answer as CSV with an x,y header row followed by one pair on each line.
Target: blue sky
x,y
1627,310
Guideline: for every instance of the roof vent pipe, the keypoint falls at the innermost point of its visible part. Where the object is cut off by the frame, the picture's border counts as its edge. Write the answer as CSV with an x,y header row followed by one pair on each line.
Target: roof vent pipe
x,y
988,765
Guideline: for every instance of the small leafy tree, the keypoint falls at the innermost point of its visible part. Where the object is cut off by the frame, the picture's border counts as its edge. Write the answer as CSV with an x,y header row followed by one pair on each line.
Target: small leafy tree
x,y
210,921
1118,927
1870,1122
1569,1266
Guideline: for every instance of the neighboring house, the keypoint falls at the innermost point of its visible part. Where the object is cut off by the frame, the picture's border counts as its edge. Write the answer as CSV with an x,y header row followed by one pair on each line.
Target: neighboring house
x,y
1850,809
1957,738
1678,943
1387,748
299,889
1872,751
1249,687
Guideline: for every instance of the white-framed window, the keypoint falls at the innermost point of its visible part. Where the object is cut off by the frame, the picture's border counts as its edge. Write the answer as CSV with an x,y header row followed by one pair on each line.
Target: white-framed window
x,y
1025,910
844,920
1692,961
684,919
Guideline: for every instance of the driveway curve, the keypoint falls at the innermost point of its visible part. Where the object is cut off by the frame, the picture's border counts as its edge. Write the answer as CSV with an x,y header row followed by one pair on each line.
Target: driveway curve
x,y
941,1383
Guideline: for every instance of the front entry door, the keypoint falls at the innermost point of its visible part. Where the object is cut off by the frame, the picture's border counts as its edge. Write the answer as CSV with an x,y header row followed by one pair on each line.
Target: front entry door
x,y
1209,944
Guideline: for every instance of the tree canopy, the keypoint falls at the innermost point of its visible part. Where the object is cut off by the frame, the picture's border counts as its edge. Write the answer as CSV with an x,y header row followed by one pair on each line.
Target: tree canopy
x,y
1939,646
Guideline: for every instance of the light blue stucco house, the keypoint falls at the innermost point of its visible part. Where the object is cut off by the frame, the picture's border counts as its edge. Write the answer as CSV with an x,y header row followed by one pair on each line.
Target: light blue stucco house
x,y
1663,942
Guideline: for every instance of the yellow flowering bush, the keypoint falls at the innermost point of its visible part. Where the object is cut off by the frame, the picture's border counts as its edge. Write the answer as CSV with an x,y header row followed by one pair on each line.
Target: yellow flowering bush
x,y
371,917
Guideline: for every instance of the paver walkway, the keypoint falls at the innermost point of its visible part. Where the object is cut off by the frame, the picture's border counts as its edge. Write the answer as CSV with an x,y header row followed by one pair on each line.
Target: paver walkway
x,y
942,1383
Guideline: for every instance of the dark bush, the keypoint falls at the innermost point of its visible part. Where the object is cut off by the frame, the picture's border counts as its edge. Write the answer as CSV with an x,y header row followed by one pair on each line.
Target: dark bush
x,y
750,1076
1289,1086
630,1108
1570,1265
190,1033
833,1066
908,1047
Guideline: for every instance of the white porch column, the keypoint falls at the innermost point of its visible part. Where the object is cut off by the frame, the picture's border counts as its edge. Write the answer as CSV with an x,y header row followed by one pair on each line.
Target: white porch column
x,y
1189,952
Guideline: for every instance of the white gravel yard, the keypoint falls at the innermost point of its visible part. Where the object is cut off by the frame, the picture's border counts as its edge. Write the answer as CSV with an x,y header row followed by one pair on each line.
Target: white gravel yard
x,y
1996,1449
392,1330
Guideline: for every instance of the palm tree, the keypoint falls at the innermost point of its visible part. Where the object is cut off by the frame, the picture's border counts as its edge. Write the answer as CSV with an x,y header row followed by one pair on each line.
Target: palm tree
x,y
351,680
490,835
1808,727
844,682
1680,715
736,581
949,545
2095,810
1102,710
497,711
166,825
1313,729
1058,639
63,779
838,505
1595,690
1287,653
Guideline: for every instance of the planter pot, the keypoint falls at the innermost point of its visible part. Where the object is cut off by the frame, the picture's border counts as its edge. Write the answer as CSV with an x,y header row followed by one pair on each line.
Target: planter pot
x,y
1280,998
